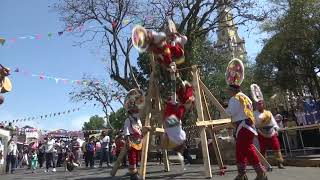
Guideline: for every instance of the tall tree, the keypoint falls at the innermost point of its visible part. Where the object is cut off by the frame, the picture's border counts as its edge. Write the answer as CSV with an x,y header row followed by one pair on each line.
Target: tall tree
x,y
105,95
117,118
197,18
290,58
95,123
111,21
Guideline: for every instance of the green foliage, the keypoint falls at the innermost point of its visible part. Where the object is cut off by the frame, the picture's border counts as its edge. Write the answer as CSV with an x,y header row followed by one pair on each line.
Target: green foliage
x,y
213,65
117,119
95,123
290,58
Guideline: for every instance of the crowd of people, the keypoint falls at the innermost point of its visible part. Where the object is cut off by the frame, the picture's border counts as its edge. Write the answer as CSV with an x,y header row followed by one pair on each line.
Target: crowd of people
x,y
53,152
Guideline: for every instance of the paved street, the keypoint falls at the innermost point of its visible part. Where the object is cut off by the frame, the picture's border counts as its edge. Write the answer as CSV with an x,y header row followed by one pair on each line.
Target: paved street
x,y
156,172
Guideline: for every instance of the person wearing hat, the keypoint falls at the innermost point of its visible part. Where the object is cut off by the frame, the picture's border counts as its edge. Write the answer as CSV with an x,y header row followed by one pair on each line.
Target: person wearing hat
x,y
241,111
133,130
267,132
133,136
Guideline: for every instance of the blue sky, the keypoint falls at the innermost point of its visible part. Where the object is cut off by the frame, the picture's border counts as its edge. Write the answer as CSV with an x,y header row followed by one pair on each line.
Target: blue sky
x,y
55,57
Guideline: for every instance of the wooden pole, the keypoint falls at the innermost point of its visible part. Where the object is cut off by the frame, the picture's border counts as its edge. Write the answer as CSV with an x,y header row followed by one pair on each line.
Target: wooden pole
x,y
148,105
204,142
145,148
160,119
213,100
215,144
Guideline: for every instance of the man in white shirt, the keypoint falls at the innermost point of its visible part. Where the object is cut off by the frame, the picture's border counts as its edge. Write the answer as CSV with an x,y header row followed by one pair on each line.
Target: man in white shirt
x,y
11,156
49,151
267,130
105,150
241,112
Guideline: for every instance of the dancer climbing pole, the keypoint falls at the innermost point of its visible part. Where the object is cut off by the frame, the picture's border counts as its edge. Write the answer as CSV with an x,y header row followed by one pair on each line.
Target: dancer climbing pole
x,y
167,49
267,126
241,112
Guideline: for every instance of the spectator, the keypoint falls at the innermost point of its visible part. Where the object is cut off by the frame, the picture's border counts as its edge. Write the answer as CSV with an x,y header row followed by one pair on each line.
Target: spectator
x,y
41,153
310,109
90,151
105,151
11,156
120,143
25,159
19,158
292,135
84,151
112,151
49,154
10,127
60,147
34,160
70,162
300,116
75,147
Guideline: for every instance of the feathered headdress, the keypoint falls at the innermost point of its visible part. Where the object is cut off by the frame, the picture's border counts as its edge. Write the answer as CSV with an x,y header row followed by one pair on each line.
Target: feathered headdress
x,y
235,73
256,93
134,100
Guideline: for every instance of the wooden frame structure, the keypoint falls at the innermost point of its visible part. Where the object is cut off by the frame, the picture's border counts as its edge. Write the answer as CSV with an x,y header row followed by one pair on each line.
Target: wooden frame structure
x,y
153,111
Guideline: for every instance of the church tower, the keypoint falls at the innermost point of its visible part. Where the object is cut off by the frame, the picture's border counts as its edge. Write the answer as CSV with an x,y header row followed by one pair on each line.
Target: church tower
x,y
228,40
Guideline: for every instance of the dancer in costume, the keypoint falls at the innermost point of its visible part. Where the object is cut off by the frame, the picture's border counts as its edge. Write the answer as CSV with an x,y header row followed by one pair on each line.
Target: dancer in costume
x,y
166,47
133,129
5,83
241,112
175,136
168,51
267,126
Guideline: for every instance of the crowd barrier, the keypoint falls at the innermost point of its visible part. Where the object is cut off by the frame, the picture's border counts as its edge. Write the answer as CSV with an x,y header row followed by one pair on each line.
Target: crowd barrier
x,y
299,129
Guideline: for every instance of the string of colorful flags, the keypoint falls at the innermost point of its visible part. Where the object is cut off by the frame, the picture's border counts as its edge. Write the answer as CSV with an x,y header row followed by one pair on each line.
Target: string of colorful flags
x,y
61,80
50,35
60,131
48,115
40,36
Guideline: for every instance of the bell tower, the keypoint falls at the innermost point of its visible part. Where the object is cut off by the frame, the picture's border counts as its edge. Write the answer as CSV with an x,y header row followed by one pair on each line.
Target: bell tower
x,y
228,39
